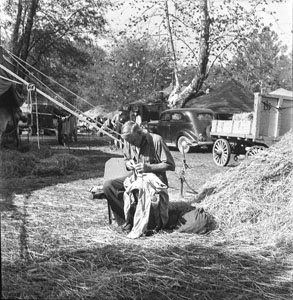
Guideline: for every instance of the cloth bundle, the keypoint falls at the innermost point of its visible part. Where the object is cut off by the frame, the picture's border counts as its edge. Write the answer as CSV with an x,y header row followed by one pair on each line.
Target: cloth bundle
x,y
147,187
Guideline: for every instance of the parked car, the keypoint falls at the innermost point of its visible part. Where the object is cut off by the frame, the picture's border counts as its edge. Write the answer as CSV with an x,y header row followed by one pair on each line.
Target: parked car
x,y
184,128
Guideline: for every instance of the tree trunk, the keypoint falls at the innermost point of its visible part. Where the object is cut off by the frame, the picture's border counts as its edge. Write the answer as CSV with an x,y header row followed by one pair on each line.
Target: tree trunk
x,y
180,100
15,35
176,88
28,29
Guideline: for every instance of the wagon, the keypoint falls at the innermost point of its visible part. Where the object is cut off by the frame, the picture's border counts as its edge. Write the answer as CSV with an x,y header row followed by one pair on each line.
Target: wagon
x,y
248,133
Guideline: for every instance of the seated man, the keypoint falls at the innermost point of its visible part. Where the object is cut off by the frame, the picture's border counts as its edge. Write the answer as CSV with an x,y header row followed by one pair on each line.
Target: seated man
x,y
143,153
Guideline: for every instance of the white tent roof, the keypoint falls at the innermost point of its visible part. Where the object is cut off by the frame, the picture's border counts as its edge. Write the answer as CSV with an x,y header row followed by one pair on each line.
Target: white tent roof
x,y
282,92
96,111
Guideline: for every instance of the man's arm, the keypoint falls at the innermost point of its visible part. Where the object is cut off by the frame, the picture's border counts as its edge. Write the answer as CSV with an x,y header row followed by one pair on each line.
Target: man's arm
x,y
164,158
128,160
167,162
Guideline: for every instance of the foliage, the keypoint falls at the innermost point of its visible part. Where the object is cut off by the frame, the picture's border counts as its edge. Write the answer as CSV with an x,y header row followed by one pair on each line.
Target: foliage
x,y
55,20
138,68
205,32
78,67
53,36
261,64
62,43
14,164
36,162
58,164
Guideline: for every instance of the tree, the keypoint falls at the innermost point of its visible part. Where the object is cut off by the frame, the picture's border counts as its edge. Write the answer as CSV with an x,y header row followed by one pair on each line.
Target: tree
x,y
207,31
41,27
40,22
55,37
137,69
261,64
283,76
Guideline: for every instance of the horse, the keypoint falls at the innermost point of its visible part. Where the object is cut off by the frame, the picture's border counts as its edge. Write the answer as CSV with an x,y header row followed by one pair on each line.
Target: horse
x,y
9,118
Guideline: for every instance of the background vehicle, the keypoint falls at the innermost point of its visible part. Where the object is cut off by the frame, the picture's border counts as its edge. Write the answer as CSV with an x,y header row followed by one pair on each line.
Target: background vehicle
x,y
248,133
184,128
147,111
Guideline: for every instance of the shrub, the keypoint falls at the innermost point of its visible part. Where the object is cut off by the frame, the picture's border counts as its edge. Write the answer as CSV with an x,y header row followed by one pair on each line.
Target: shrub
x,y
13,163
58,164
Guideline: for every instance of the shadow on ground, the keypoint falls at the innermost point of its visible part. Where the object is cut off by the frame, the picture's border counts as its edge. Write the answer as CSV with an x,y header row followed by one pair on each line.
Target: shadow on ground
x,y
124,270
93,162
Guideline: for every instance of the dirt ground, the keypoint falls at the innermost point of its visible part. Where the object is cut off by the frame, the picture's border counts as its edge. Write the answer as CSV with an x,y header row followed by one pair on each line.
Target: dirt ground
x,y
56,243
94,152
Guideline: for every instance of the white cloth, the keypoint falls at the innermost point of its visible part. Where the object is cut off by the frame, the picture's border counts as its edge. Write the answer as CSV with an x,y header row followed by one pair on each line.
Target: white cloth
x,y
148,186
138,120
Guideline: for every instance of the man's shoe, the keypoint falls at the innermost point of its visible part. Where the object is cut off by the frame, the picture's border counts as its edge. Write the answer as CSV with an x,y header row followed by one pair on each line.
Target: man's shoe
x,y
158,228
99,195
126,227
151,232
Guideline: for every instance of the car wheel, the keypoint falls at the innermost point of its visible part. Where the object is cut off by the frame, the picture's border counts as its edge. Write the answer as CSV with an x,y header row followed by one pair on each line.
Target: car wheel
x,y
183,144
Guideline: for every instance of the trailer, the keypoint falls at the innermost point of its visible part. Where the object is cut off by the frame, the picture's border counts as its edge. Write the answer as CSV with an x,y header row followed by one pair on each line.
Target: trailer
x,y
248,133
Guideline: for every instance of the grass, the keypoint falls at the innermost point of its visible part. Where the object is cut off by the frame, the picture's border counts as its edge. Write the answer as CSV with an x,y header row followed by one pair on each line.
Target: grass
x,y
56,243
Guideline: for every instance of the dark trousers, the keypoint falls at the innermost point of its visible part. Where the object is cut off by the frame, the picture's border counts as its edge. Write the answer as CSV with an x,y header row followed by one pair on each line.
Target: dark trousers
x,y
113,190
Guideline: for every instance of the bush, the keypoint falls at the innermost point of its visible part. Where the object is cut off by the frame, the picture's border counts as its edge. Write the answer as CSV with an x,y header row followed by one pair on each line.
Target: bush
x,y
58,164
67,162
14,163
43,152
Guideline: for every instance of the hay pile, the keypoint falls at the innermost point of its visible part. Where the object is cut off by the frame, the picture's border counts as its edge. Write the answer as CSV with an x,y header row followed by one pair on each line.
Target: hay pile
x,y
254,201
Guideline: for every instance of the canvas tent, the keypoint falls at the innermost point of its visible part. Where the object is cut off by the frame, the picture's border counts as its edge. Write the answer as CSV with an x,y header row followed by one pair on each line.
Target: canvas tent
x,y
10,90
227,98
282,93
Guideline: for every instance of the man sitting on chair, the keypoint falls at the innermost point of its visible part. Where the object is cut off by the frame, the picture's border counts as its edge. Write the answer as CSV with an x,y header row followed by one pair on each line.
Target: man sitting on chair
x,y
143,153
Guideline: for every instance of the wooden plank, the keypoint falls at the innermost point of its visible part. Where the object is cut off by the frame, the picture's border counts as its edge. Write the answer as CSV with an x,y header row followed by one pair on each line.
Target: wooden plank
x,y
256,118
278,118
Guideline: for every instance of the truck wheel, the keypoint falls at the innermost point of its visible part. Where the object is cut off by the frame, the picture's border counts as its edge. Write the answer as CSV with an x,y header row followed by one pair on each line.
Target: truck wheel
x,y
183,144
221,152
254,150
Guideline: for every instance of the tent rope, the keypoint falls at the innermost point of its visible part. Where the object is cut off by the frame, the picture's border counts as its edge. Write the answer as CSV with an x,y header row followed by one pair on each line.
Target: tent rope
x,y
53,92
17,59
113,134
32,92
8,79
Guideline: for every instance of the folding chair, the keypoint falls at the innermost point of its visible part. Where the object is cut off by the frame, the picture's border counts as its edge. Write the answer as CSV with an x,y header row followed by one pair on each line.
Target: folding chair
x,y
114,168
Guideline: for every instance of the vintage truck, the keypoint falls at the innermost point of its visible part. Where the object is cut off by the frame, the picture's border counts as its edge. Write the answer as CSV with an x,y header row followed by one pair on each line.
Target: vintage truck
x,y
184,128
248,133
